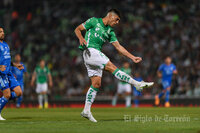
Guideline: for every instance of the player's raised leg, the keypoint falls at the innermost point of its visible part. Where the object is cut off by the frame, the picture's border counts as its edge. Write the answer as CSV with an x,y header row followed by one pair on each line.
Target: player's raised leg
x,y
125,77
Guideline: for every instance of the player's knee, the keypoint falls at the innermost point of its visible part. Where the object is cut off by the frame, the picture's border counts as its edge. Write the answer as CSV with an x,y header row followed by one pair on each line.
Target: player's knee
x,y
168,88
97,85
7,95
110,67
18,92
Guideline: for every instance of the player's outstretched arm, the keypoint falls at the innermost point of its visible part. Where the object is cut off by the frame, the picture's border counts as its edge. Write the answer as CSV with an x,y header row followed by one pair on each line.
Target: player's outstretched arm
x,y
19,66
175,72
159,74
50,80
124,52
33,79
79,34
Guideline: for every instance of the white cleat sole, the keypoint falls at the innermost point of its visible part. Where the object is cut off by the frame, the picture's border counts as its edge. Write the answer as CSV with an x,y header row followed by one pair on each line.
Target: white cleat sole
x,y
144,85
2,119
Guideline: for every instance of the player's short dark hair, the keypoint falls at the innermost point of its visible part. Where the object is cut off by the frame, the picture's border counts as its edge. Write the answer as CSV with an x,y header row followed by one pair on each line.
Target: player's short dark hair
x,y
167,56
116,11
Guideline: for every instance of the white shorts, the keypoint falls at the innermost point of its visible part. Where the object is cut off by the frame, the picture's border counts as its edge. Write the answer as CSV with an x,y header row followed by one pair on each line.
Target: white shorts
x,y
41,87
95,63
121,88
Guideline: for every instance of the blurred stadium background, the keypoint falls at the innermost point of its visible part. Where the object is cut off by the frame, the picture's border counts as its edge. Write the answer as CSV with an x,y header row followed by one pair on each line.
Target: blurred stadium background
x,y
150,29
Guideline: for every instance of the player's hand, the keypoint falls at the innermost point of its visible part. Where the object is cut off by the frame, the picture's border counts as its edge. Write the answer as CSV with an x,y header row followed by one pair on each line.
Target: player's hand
x,y
2,68
32,84
82,41
137,59
19,66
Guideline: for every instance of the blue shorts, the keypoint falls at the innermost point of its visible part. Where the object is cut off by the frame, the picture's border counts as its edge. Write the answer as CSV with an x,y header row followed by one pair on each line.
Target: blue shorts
x,y
166,84
136,93
8,81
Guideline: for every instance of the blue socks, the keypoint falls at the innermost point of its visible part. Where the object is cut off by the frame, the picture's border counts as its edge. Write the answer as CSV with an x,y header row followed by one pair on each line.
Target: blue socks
x,y
19,100
3,102
136,101
13,95
167,96
161,94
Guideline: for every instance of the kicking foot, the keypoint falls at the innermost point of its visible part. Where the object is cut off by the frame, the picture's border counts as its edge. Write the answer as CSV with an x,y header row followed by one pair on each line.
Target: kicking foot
x,y
157,100
88,116
143,85
1,118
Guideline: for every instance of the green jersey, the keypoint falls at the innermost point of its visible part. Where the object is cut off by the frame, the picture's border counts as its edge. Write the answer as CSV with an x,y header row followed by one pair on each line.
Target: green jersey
x,y
42,74
127,71
97,33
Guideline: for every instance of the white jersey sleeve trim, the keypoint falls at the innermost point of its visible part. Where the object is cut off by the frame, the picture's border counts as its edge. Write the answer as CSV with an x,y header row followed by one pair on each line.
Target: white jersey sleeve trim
x,y
83,25
113,41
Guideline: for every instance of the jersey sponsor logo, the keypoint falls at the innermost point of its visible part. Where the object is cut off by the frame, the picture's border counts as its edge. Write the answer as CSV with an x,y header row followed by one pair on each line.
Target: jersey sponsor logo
x,y
97,29
97,35
6,54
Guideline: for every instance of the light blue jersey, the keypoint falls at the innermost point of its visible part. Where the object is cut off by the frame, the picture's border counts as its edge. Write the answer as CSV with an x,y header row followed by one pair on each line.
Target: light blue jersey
x,y
7,80
5,58
167,73
19,73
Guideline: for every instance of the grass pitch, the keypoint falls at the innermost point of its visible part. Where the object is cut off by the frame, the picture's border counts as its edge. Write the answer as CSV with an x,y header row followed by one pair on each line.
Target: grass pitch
x,y
111,120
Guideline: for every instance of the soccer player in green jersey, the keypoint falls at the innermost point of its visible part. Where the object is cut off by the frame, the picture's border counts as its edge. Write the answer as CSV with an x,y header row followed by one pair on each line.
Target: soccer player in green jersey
x,y
124,87
42,75
98,31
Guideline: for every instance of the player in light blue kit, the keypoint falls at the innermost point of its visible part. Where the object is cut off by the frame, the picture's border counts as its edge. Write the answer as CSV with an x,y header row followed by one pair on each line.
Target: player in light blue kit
x,y
19,76
8,84
166,72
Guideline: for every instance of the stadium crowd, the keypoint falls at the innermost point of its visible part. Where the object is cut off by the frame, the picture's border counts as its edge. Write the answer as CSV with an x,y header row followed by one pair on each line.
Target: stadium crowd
x,y
152,30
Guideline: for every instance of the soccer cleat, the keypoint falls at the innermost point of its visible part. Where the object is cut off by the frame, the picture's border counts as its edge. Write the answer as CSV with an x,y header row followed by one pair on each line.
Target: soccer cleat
x,y
40,107
167,104
143,85
46,105
1,118
17,105
157,100
88,116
